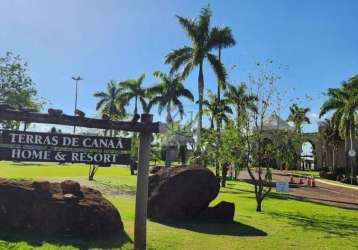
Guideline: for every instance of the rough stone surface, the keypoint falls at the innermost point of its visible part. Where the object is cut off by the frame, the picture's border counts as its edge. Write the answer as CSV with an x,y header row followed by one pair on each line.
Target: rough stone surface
x,y
155,169
180,192
222,211
47,208
70,187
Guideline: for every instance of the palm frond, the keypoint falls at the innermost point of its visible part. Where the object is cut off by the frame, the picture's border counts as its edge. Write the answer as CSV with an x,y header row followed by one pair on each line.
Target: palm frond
x,y
190,27
221,38
218,67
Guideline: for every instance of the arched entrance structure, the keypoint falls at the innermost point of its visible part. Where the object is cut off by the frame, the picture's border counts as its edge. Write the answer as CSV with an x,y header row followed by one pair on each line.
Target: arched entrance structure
x,y
278,130
309,159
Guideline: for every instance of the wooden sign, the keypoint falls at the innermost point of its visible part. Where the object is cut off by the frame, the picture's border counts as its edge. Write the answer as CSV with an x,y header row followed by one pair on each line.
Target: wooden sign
x,y
48,147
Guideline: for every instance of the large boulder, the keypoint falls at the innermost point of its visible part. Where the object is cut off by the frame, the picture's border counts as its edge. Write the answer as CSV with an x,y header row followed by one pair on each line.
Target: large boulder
x,y
223,211
58,208
181,192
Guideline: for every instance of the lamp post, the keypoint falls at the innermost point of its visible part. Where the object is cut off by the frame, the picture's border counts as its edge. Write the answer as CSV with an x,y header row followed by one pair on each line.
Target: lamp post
x,y
76,79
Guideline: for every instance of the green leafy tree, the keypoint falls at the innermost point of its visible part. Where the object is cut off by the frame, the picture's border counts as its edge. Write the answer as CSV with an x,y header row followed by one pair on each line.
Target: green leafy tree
x,y
242,101
202,43
298,116
226,153
133,89
111,104
16,87
216,111
256,147
167,93
331,135
224,39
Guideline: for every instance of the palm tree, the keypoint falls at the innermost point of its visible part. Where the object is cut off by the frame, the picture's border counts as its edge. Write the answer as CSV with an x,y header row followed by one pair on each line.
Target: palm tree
x,y
224,39
331,135
133,89
167,92
166,95
241,100
111,104
298,116
344,102
203,42
216,111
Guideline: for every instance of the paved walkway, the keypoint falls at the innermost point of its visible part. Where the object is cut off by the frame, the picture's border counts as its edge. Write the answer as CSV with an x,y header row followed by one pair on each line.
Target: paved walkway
x,y
324,192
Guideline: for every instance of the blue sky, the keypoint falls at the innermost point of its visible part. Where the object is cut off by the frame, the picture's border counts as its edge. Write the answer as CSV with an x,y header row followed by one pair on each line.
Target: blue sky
x,y
118,40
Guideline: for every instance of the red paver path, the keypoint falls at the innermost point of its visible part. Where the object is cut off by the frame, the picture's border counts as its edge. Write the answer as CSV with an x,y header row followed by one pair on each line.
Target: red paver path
x,y
323,193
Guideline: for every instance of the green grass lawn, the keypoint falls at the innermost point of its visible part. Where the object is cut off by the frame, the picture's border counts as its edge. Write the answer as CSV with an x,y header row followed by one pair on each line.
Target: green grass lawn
x,y
285,223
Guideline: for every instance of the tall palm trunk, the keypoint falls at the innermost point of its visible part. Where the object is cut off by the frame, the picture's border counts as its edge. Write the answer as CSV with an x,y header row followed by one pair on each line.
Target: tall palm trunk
x,y
201,99
218,123
136,106
238,116
169,116
167,149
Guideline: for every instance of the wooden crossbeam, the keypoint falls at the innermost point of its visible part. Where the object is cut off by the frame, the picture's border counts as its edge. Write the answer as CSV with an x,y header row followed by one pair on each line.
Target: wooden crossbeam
x,y
63,119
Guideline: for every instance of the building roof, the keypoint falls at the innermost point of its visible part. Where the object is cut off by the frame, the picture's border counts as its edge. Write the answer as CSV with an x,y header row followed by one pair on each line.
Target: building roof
x,y
276,122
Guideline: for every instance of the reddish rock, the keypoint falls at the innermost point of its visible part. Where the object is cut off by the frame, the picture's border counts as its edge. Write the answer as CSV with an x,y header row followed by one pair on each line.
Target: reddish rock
x,y
222,211
41,186
181,192
27,205
70,187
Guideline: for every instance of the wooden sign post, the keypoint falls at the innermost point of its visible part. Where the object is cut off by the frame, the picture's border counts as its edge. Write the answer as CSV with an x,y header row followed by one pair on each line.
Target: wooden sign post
x,y
140,225
145,127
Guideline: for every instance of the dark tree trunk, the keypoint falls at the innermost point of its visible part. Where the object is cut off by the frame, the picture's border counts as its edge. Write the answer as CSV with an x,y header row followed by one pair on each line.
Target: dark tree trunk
x,y
218,123
167,150
167,156
201,98
136,106
259,205
224,174
92,171
182,153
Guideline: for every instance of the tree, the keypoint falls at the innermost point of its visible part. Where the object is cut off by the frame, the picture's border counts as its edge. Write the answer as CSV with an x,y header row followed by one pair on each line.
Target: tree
x,y
256,148
241,100
133,89
203,42
217,111
331,135
166,94
226,153
344,102
298,116
111,104
224,39
16,87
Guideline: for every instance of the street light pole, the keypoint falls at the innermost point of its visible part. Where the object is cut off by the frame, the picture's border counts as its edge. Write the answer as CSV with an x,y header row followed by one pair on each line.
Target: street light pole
x,y
76,79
